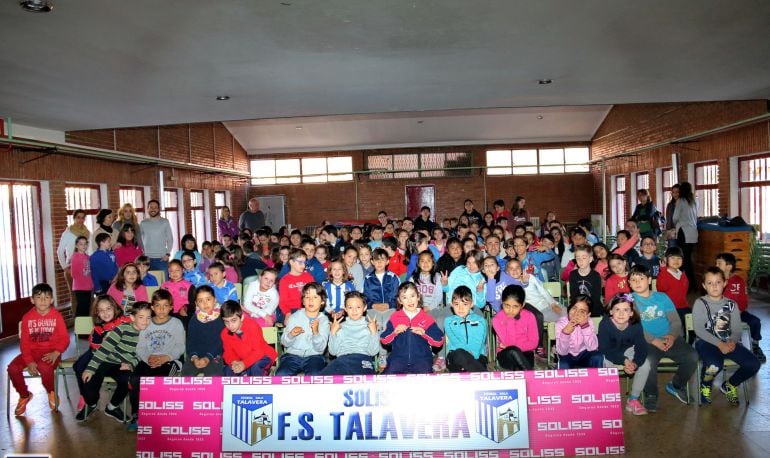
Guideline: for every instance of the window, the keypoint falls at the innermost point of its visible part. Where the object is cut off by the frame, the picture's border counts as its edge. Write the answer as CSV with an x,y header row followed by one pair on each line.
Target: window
x,y
305,170
83,197
220,201
416,165
534,161
667,175
21,256
754,192
198,216
171,211
133,195
643,182
707,188
619,204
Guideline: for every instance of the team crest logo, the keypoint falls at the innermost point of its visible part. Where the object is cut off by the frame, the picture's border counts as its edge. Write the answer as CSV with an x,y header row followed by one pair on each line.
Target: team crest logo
x,y
497,414
251,419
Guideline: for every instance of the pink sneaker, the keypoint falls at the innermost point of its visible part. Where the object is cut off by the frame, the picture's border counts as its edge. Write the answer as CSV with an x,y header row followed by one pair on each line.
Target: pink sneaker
x,y
81,403
635,407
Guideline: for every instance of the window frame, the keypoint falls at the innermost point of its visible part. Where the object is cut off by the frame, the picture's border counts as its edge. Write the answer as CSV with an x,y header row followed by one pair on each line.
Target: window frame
x,y
176,226
706,194
90,212
139,210
416,171
539,166
300,177
198,212
762,188
619,209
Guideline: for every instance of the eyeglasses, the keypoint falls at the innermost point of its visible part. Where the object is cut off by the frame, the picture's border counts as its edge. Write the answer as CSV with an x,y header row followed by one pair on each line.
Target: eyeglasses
x,y
299,261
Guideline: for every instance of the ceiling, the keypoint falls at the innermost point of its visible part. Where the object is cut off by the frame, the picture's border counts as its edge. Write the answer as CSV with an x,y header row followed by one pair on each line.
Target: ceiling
x,y
363,74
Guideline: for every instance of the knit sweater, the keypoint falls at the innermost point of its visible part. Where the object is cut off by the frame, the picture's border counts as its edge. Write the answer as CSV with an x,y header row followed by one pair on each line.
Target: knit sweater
x,y
157,238
119,347
675,286
354,337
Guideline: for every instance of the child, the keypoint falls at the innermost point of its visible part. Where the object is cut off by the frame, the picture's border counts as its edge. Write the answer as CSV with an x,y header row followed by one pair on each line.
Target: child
x,y
128,245
160,347
428,283
469,275
106,315
365,259
322,255
673,282
648,258
466,335
128,288
312,265
227,259
116,358
411,332
148,279
44,338
245,350
103,264
290,287
188,244
354,341
438,244
735,289
621,341
585,281
663,333
531,260
261,298
380,289
717,324
576,341
617,281
82,282
179,288
306,335
207,256
418,242
191,272
223,289
336,286
204,342
355,271
377,234
395,257
517,332
601,259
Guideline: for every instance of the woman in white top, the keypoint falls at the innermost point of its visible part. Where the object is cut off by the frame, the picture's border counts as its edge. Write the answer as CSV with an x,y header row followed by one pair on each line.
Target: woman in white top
x,y
685,220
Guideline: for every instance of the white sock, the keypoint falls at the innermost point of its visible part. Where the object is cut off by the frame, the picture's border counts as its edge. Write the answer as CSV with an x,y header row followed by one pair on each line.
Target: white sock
x,y
111,407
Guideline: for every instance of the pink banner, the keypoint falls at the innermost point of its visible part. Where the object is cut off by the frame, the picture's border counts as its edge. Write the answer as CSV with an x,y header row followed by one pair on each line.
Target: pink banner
x,y
570,412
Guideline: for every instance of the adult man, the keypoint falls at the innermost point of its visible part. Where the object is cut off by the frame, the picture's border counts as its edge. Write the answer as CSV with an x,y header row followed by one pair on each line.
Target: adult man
x,y
423,222
492,244
157,237
253,218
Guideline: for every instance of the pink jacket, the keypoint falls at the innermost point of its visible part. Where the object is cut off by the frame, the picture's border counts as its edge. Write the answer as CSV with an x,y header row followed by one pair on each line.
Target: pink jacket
x,y
521,333
80,265
581,339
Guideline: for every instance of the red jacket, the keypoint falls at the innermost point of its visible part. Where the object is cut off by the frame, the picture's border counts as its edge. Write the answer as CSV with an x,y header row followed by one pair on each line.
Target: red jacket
x,y
396,264
41,334
248,346
676,290
735,289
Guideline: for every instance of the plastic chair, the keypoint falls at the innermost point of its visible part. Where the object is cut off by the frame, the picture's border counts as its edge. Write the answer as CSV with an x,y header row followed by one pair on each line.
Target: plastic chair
x,y
239,291
270,335
554,289
159,275
83,327
151,290
728,363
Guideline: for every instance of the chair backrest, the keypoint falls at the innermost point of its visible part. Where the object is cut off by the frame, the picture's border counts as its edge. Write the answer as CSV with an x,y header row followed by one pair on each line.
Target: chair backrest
x,y
249,280
553,288
159,275
597,320
654,284
239,291
688,325
83,325
150,291
271,337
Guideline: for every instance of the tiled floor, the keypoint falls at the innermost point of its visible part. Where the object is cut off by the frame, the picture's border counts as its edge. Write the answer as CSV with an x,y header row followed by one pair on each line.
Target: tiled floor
x,y
677,429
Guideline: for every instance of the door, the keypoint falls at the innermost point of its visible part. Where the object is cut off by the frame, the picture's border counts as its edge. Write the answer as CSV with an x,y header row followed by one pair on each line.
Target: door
x,y
21,252
418,197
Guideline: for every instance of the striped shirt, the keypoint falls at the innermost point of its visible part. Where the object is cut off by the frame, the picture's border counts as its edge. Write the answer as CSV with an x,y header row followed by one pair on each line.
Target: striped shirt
x,y
119,347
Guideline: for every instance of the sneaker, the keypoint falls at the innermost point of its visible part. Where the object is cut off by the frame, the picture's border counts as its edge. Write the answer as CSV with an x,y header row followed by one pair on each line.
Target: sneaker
x,y
115,413
731,393
759,354
133,425
540,353
635,407
651,402
81,403
53,401
705,394
85,412
439,365
21,407
678,393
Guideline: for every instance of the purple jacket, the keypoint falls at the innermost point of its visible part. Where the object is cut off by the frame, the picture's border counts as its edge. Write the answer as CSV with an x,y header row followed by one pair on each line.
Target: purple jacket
x,y
229,227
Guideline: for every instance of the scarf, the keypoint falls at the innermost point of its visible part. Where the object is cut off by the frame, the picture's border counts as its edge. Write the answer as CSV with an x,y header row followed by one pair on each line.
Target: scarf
x,y
107,229
79,231
206,317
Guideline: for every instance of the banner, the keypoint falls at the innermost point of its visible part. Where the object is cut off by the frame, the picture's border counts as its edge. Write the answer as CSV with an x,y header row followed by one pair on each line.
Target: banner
x,y
560,413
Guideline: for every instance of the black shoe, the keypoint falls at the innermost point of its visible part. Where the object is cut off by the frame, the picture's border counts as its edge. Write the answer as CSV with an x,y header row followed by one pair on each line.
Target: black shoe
x,y
85,412
759,354
116,414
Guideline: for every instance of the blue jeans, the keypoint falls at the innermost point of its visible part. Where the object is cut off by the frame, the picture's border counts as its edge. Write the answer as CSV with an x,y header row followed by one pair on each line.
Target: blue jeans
x,y
293,364
158,264
714,360
584,359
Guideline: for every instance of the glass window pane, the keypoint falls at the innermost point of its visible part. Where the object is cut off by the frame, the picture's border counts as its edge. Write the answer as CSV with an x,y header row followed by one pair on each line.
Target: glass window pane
x,y
499,158
525,170
314,170
577,168
552,169
219,199
289,169
551,156
579,155
339,165
524,157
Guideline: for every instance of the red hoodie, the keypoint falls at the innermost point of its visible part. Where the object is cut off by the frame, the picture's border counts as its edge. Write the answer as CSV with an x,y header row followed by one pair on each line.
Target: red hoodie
x,y
41,334
249,346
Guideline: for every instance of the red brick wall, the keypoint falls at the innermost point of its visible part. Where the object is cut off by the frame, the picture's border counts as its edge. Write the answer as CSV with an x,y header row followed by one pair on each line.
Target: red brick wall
x,y
629,127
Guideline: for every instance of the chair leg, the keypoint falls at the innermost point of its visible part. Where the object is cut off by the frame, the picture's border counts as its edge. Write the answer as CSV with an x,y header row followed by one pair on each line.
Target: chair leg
x,y
8,398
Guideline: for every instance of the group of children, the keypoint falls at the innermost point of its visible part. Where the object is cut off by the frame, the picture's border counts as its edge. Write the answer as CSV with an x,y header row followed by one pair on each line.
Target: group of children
x,y
390,306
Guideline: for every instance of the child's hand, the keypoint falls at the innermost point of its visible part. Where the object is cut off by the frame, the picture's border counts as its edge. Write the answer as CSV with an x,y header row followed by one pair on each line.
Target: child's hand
x,y
629,367
400,328
569,327
158,360
556,308
32,369
237,367
314,327
87,376
268,320
200,363
480,286
668,340
660,344
372,324
335,325
183,311
381,307
726,347
51,357
296,331
418,330
125,367
444,278
524,277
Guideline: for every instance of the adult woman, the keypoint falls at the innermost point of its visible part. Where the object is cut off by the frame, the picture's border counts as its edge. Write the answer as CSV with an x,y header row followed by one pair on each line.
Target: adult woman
x,y
685,220
104,220
670,227
519,214
227,225
646,214
127,215
129,248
